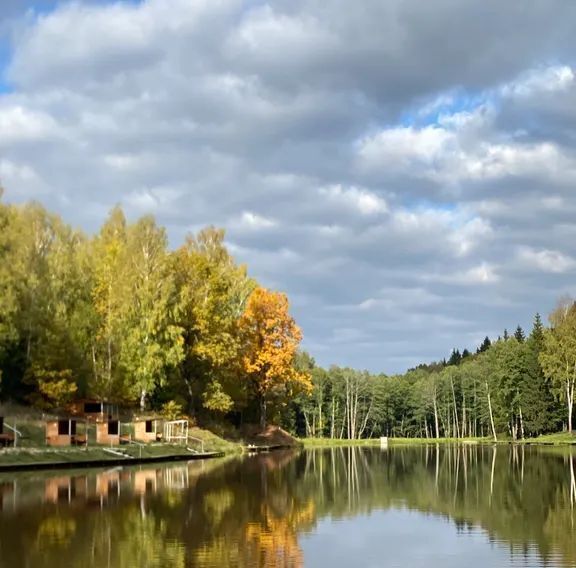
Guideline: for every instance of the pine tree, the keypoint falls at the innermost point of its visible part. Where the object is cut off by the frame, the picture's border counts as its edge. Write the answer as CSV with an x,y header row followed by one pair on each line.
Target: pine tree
x,y
484,346
537,333
519,335
540,410
455,357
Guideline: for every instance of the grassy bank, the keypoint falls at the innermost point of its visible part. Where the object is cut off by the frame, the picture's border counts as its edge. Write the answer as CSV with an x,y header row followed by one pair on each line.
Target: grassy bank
x,y
329,442
31,447
335,442
559,439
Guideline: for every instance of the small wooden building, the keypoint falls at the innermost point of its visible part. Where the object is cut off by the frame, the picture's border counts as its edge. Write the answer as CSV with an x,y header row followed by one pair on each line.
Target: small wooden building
x,y
94,410
6,438
108,432
148,429
64,432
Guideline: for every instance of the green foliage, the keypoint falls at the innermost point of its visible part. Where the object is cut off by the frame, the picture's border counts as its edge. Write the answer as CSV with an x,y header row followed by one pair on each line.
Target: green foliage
x,y
216,399
558,354
212,294
50,389
119,316
500,391
172,410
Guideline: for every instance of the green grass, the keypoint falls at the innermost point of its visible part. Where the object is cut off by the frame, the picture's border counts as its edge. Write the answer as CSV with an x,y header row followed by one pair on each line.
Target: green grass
x,y
212,442
328,442
23,456
420,441
331,442
560,438
65,455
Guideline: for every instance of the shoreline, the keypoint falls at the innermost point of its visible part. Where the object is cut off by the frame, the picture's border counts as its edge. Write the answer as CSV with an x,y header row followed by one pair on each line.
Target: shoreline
x,y
104,462
36,459
563,440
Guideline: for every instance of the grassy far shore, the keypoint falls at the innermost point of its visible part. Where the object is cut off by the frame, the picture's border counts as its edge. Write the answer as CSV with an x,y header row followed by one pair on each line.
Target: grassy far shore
x,y
558,439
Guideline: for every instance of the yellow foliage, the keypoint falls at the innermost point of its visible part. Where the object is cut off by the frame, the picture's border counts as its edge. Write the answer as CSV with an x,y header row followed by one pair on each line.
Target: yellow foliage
x,y
270,339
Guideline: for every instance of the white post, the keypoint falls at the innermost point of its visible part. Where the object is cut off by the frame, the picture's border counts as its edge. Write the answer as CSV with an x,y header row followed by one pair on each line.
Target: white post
x,y
384,442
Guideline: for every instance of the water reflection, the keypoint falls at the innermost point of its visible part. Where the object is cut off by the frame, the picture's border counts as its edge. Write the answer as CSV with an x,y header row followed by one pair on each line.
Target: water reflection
x,y
288,509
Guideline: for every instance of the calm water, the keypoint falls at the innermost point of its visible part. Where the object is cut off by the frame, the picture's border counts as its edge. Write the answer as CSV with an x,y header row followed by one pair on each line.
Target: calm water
x,y
427,506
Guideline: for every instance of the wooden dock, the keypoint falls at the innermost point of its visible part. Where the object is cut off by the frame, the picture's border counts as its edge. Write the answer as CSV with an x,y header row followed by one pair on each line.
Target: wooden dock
x,y
253,449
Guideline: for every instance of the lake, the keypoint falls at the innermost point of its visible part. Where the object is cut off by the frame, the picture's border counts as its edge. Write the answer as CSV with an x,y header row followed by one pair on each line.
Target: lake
x,y
422,506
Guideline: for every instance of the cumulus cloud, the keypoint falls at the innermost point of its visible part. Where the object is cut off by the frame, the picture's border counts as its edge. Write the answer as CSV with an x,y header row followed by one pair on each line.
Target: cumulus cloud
x,y
547,260
361,200
389,170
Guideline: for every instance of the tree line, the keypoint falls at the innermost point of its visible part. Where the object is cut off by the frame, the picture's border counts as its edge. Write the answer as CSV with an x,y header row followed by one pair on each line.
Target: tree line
x,y
119,316
516,386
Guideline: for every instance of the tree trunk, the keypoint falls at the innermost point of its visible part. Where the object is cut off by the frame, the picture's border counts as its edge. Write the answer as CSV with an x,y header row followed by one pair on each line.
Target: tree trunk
x,y
490,411
570,401
436,418
463,431
307,424
262,413
456,426
332,421
143,400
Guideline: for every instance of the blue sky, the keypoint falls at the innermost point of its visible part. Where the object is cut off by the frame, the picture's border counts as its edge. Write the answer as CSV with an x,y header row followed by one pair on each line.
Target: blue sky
x,y
405,172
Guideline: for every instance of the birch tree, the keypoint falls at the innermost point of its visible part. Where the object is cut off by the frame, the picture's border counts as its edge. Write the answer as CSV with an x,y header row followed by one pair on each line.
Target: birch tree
x,y
558,354
152,342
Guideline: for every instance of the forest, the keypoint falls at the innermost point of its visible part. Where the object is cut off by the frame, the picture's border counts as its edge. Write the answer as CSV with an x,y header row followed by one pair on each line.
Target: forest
x,y
120,316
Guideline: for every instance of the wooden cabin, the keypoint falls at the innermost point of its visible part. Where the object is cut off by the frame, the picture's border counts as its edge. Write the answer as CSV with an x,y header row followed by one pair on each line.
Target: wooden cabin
x,y
94,410
108,432
148,430
6,438
64,432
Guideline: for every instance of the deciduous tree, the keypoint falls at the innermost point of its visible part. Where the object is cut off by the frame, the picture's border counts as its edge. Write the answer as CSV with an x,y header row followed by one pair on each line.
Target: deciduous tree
x,y
270,339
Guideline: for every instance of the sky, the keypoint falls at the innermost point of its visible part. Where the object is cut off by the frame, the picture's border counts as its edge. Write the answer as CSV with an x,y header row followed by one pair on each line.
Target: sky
x,y
404,170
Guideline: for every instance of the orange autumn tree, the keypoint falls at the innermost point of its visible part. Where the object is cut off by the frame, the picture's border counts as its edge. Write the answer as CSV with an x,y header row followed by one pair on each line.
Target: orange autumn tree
x,y
270,339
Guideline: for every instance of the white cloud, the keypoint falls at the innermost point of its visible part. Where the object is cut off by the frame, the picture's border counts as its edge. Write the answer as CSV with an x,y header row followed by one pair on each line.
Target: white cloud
x,y
159,200
19,124
481,274
404,147
361,200
538,81
547,260
254,221
462,148
356,161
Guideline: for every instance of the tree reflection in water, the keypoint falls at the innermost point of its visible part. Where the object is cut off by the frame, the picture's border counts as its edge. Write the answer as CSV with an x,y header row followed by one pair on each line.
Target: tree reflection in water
x,y
253,511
